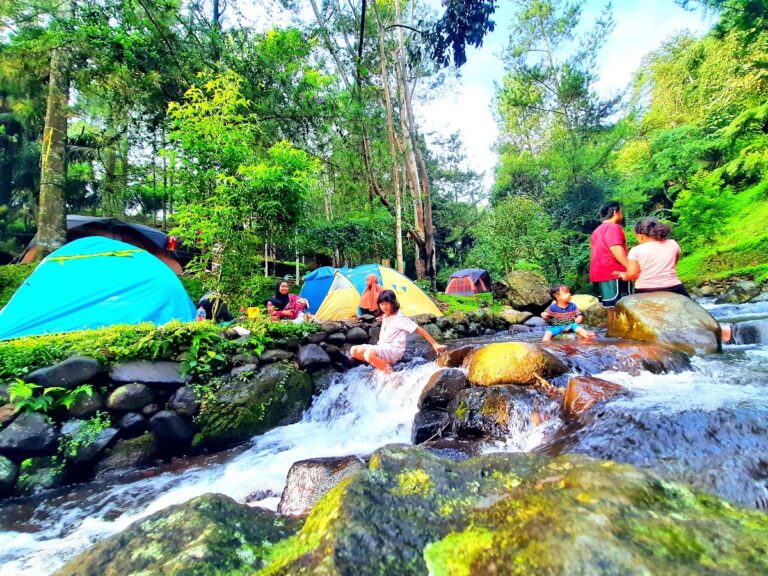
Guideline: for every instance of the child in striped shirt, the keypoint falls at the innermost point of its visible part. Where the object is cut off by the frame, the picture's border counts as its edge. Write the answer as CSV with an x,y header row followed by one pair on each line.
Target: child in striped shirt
x,y
563,315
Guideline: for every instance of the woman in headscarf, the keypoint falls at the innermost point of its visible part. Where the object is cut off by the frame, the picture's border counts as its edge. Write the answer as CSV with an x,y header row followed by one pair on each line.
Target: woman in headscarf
x,y
369,301
284,305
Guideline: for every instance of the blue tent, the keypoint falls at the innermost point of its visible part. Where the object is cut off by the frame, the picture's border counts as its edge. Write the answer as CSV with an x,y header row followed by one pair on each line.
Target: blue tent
x,y
95,282
316,286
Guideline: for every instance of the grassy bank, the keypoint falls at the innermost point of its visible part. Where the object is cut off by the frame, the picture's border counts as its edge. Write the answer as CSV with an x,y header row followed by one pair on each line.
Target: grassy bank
x,y
741,248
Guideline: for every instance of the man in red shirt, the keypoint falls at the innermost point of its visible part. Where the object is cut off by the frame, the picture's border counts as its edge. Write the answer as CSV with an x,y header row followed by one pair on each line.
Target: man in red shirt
x,y
609,255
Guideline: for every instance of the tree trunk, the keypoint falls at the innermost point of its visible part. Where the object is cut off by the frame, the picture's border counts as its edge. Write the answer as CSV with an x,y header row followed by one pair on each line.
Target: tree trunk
x,y
429,237
392,146
51,221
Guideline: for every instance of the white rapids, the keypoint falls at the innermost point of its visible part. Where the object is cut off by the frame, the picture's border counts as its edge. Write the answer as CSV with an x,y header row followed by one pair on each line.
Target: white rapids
x,y
359,413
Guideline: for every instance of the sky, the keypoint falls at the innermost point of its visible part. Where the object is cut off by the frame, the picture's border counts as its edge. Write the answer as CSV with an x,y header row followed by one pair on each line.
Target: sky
x,y
640,27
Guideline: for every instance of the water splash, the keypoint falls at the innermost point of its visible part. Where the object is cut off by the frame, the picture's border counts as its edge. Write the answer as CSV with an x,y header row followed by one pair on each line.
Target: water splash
x,y
359,412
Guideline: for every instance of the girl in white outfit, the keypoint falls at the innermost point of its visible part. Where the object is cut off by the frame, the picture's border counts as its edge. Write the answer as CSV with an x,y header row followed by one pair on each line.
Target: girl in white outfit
x,y
395,327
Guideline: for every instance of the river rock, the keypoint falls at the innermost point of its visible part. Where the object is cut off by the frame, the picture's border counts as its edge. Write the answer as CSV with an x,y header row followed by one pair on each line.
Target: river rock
x,y
591,357
512,316
442,387
317,337
4,396
535,322
7,414
313,358
512,363
243,359
150,409
427,424
331,327
596,316
132,424
83,447
271,356
374,332
238,371
721,451
336,339
184,402
585,301
290,344
86,405
527,291
585,391
422,319
739,292
458,319
8,473
759,298
210,534
130,397
454,358
172,432
70,373
309,480
276,395
38,474
433,331
30,434
492,411
127,454
668,318
149,372
414,513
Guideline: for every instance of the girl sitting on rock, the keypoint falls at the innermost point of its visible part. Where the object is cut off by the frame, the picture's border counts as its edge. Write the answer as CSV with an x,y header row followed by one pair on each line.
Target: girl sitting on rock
x,y
395,327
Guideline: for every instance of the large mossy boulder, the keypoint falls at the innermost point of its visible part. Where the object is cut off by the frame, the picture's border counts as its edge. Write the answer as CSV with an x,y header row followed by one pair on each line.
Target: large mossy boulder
x,y
493,411
740,292
415,513
668,318
276,395
512,363
209,535
526,291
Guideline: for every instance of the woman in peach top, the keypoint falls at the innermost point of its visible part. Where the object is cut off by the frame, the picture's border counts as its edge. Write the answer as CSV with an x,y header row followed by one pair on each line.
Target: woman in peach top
x,y
652,262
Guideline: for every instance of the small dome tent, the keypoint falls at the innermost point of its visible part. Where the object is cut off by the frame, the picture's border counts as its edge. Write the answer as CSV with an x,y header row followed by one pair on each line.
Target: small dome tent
x,y
316,286
91,283
468,282
347,287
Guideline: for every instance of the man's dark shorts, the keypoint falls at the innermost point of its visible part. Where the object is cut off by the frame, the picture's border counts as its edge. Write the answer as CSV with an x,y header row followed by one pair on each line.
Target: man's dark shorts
x,y
612,291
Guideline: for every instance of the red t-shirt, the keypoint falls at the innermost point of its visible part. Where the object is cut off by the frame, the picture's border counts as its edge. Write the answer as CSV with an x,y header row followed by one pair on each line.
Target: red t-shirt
x,y
603,263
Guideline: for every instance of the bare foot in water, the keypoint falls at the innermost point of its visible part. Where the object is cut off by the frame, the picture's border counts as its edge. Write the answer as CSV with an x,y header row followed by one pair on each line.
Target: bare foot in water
x,y
386,369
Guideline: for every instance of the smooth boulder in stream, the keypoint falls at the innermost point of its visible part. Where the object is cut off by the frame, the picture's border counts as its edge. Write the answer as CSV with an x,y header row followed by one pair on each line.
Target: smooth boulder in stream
x,y
512,363
211,534
667,318
415,513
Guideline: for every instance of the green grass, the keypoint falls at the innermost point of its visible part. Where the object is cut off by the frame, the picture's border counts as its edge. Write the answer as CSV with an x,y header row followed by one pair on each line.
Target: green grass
x,y
741,249
467,303
11,277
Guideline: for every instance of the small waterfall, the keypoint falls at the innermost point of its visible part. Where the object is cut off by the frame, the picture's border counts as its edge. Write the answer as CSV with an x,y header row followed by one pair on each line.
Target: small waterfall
x,y
359,412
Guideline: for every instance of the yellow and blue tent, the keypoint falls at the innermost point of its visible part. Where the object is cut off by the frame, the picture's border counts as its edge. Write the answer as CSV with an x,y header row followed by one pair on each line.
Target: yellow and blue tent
x,y
343,296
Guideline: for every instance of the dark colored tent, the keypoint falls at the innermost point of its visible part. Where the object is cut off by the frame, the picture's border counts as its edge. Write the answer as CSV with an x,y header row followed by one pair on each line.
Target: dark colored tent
x,y
150,239
468,282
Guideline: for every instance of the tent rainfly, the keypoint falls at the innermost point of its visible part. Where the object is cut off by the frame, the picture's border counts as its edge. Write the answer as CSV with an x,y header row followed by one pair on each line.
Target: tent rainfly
x,y
468,282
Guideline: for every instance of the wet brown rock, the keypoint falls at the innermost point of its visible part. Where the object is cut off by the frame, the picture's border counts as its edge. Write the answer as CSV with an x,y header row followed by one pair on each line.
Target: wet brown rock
x,y
585,391
310,480
454,358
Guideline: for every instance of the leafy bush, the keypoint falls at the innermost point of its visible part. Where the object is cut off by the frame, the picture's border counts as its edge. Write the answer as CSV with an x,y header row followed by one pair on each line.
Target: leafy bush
x,y
11,277
24,395
203,343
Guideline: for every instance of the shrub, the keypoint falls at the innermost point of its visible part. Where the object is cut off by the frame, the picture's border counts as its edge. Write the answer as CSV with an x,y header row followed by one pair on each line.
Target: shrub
x,y
11,277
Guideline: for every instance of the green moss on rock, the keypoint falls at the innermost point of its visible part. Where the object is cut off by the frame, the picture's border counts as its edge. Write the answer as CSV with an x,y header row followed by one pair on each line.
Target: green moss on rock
x,y
276,395
209,535
519,514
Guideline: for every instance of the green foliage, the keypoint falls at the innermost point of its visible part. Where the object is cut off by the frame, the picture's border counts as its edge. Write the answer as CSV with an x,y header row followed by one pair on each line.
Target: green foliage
x,y
11,278
701,210
236,196
86,434
30,397
516,231
467,303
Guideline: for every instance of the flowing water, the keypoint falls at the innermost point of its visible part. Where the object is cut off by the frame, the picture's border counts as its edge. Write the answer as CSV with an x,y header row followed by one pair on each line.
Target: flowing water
x,y
703,422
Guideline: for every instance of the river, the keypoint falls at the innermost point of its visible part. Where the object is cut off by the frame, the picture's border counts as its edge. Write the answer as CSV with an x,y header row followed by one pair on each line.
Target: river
x,y
682,424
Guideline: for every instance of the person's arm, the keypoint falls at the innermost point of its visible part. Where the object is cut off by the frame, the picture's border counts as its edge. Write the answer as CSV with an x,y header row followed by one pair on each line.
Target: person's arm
x,y
545,314
439,348
620,254
633,271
